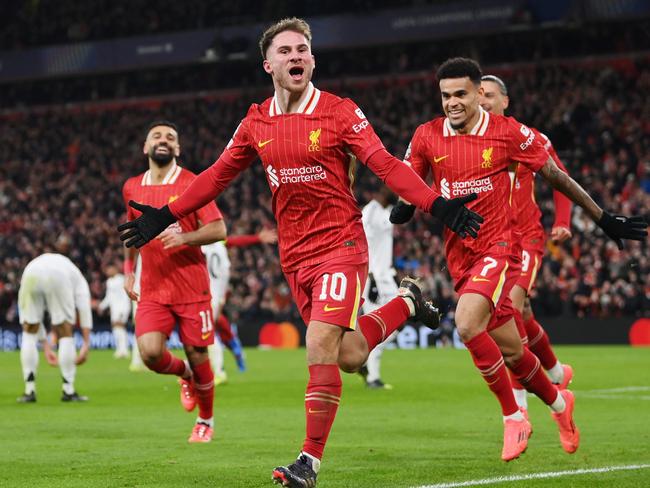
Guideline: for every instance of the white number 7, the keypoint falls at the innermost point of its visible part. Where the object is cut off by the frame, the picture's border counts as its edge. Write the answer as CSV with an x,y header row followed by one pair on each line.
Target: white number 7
x,y
491,263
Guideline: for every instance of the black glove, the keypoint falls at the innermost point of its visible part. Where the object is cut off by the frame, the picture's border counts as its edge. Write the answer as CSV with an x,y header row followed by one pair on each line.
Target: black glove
x,y
151,223
456,216
402,212
619,227
373,291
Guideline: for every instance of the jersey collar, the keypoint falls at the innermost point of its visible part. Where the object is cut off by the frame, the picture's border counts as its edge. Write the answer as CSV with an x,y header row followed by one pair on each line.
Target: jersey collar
x,y
307,106
478,130
169,179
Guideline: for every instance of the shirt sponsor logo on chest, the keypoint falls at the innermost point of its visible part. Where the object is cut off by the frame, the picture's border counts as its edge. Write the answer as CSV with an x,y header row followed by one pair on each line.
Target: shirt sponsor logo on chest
x,y
462,188
301,174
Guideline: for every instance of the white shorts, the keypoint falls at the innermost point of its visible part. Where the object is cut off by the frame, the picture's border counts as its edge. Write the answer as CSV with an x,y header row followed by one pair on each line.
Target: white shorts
x,y
42,292
387,289
120,315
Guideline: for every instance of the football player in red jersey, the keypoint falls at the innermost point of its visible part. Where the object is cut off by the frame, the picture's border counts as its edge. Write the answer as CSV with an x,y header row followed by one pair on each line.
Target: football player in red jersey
x,y
469,151
308,141
528,224
174,286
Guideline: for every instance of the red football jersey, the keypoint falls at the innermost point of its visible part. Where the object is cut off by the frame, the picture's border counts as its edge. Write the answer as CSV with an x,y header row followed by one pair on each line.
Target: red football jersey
x,y
527,215
309,165
476,163
178,275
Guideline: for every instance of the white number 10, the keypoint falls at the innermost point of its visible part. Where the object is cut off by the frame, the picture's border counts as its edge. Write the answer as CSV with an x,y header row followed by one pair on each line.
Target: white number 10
x,y
338,286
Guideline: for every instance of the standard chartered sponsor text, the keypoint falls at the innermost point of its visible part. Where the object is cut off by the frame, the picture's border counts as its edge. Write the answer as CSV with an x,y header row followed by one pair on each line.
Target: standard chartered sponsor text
x,y
302,174
462,188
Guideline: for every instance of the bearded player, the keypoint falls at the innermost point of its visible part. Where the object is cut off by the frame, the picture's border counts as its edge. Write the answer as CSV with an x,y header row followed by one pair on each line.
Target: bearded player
x,y
528,224
308,140
174,285
469,151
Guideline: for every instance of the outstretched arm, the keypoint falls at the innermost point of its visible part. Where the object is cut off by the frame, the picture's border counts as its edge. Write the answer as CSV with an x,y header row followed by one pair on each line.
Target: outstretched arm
x,y
562,182
204,189
407,184
617,227
206,234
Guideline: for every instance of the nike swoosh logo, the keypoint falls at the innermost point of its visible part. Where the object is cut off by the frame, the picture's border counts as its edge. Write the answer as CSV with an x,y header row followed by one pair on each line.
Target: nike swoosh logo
x,y
476,279
261,144
327,308
317,411
205,336
437,160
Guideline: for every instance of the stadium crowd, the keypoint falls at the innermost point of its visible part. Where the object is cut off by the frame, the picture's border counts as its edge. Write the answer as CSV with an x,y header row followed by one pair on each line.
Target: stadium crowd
x,y
533,44
63,168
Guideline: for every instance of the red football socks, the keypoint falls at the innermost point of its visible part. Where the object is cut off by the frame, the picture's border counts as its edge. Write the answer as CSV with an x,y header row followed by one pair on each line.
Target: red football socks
x,y
321,403
204,387
530,374
377,325
539,343
489,361
168,364
223,329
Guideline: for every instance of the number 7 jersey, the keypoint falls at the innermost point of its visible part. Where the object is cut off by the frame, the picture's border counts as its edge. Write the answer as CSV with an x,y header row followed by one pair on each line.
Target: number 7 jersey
x,y
477,162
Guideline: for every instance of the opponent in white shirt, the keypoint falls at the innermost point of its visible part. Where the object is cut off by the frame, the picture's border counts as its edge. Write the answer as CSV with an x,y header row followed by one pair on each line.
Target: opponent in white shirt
x,y
380,287
52,282
218,262
119,304
137,364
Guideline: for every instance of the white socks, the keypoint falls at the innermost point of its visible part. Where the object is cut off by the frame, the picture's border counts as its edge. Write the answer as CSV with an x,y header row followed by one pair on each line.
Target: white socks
x,y
521,397
136,359
29,360
121,341
67,356
518,416
374,363
556,373
215,351
209,422
559,404
411,305
315,462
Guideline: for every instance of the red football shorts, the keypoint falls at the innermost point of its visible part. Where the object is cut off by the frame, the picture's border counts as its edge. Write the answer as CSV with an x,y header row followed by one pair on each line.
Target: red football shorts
x,y
531,262
493,276
330,291
195,323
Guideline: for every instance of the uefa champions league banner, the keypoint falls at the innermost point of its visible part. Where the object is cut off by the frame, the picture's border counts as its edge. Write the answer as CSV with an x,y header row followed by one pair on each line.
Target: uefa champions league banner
x,y
10,340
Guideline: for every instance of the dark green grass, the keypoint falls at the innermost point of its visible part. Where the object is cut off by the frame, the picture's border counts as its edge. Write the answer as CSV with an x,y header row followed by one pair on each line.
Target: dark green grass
x,y
439,424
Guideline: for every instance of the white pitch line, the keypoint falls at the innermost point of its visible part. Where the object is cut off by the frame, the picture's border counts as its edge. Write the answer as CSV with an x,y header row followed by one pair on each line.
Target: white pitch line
x,y
614,397
615,390
533,476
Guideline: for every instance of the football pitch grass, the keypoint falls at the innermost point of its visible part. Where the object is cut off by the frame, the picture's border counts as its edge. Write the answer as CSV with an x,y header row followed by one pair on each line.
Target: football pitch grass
x,y
439,425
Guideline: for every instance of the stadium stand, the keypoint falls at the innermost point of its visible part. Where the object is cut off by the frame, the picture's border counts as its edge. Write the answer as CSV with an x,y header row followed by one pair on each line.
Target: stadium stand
x,y
67,164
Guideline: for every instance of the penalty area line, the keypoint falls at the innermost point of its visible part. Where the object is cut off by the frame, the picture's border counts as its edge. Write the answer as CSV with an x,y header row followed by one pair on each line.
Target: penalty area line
x,y
535,476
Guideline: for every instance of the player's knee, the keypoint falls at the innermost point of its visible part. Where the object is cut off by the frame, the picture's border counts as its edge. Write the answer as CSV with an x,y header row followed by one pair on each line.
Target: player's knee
x,y
351,361
466,330
512,355
150,355
321,350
